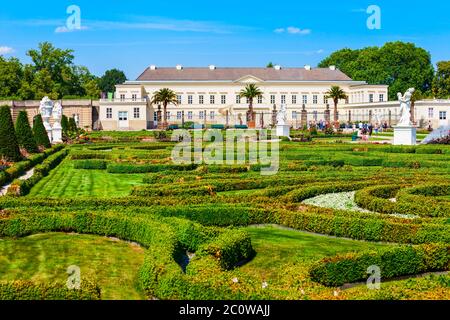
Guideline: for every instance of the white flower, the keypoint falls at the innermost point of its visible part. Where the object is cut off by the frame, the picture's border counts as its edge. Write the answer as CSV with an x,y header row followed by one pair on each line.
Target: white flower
x,y
265,285
235,280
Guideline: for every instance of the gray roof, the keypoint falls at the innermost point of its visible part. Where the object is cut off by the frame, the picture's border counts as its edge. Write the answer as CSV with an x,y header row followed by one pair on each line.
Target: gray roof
x,y
233,74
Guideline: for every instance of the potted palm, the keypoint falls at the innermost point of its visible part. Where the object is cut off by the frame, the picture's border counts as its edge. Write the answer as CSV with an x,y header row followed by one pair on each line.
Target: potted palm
x,y
164,96
251,91
336,93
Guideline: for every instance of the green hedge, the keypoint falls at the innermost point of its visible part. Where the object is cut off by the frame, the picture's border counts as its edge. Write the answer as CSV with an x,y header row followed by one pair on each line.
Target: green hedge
x,y
28,290
23,187
393,262
90,164
133,168
20,168
89,155
413,201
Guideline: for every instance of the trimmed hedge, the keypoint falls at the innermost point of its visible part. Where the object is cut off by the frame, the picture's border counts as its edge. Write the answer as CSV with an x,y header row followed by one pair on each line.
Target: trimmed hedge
x,y
90,164
89,155
23,187
19,168
413,201
28,290
146,168
393,262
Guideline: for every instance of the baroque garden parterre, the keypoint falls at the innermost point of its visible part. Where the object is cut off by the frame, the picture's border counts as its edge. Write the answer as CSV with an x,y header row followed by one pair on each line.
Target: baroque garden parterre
x,y
227,232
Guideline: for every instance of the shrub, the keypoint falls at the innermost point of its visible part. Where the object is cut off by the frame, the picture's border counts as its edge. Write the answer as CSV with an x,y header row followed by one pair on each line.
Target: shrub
x,y
9,148
28,290
393,262
90,164
133,168
39,132
24,133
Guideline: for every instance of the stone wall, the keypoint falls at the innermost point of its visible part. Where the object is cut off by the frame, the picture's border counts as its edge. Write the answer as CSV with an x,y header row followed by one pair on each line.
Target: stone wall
x,y
86,109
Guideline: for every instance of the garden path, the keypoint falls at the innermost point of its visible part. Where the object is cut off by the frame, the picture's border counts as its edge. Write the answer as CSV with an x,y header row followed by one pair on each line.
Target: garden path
x,y
27,175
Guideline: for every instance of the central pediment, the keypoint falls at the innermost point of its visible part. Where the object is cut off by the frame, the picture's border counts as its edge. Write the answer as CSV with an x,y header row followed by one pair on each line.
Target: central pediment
x,y
249,79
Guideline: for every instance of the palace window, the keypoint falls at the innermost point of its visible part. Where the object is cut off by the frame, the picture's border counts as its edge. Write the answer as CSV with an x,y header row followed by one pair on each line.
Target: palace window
x,y
430,113
238,99
211,115
190,99
381,97
122,97
272,99
212,99
371,97
315,99
223,99
179,115
201,99
168,115
201,115
294,115
108,113
134,97
136,113
294,99
325,99
442,115
260,99
305,99
283,99
179,99
155,116
190,115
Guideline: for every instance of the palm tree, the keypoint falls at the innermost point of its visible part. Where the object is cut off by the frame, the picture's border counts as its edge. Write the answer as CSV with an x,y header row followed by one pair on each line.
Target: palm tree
x,y
165,96
336,93
251,91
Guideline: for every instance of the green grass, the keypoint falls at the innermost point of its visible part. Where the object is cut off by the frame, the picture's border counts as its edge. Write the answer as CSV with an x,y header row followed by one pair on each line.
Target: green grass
x,y
277,247
113,264
65,181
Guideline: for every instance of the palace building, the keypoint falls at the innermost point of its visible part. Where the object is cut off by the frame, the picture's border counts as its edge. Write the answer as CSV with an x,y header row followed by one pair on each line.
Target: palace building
x,y
211,95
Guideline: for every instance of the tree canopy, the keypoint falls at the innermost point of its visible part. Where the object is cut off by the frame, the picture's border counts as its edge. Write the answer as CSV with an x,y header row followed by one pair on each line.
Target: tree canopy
x,y
441,83
109,80
397,64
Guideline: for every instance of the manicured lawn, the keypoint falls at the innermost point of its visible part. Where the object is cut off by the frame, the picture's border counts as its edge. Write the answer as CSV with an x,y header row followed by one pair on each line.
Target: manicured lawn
x,y
113,264
276,247
65,181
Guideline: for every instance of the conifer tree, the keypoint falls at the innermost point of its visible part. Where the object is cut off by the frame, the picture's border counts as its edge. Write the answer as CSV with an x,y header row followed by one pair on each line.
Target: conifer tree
x,y
9,148
39,132
24,133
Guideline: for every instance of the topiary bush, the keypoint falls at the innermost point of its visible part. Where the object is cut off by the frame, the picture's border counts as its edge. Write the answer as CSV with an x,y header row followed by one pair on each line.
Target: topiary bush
x,y
9,148
39,132
24,133
90,164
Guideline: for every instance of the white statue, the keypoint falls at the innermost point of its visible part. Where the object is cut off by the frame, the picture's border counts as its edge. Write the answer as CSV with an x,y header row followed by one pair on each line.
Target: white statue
x,y
57,112
57,128
45,109
405,107
282,116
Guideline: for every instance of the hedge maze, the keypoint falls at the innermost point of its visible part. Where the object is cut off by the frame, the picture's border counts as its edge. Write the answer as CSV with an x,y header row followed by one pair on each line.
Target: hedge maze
x,y
192,219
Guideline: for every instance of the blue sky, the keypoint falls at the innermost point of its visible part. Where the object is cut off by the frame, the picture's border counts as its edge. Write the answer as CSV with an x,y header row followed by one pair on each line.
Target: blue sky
x,y
131,35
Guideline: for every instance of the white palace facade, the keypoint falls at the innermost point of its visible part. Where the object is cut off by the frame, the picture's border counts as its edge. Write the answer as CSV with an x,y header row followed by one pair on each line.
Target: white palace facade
x,y
210,95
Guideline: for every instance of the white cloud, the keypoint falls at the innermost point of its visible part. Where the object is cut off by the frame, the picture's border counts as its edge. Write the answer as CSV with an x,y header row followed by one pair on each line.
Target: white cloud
x,y
64,29
320,51
293,30
6,50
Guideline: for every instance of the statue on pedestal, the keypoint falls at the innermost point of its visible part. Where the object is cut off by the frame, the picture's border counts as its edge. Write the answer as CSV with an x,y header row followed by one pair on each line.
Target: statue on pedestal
x,y
282,116
45,109
405,108
57,128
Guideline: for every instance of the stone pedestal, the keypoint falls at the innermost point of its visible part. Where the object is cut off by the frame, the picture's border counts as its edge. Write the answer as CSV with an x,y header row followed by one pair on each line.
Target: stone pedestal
x,y
57,133
405,135
283,130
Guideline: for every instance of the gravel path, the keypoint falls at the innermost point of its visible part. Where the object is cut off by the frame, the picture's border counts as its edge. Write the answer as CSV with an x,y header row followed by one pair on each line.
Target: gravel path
x,y
27,175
